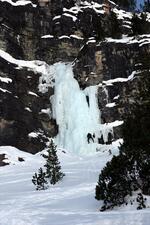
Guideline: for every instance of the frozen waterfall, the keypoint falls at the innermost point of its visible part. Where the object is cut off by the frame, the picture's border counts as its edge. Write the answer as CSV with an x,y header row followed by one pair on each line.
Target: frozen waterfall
x,y
76,111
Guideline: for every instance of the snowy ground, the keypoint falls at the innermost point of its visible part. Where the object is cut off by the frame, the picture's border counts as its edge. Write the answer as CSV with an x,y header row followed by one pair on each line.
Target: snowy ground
x,y
70,202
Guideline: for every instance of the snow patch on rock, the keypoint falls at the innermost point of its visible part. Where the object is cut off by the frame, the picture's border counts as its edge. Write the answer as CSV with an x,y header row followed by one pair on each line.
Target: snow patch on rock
x,y
19,3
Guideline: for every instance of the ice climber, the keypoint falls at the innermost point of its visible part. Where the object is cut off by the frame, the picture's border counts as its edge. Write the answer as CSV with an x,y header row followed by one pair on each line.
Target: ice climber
x,y
90,137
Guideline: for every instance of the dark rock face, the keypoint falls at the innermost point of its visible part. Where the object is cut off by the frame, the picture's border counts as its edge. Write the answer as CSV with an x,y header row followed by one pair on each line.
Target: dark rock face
x,y
2,163
20,111
75,36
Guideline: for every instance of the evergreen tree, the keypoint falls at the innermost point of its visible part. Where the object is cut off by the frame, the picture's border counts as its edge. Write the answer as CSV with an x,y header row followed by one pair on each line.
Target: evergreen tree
x,y
39,180
52,165
53,172
140,25
130,170
114,182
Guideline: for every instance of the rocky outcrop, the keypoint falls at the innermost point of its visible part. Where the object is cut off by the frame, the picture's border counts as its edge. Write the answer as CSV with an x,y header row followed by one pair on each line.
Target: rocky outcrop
x,y
2,158
69,33
21,110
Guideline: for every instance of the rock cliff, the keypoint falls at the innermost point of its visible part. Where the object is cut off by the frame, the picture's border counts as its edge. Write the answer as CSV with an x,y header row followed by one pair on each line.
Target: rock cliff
x,y
101,46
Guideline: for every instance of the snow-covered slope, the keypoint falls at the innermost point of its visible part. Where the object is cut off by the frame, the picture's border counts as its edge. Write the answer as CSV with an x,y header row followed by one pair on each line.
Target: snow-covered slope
x,y
13,156
69,202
